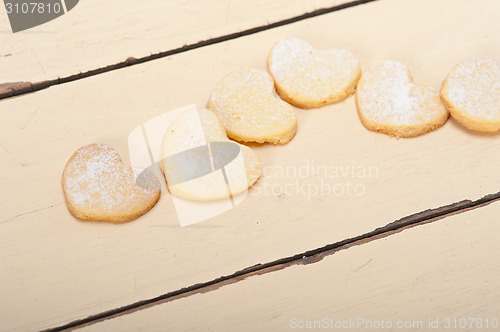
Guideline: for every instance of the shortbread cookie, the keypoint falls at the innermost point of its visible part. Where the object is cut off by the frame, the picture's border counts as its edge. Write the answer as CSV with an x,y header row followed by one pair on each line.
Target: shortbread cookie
x,y
308,78
199,161
389,102
250,109
98,186
471,93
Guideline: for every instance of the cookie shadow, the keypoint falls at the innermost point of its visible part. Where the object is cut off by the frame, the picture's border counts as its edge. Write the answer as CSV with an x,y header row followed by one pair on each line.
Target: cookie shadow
x,y
452,121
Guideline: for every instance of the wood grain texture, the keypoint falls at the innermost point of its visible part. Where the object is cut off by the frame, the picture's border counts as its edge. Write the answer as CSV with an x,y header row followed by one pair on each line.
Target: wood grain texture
x,y
99,33
439,270
58,269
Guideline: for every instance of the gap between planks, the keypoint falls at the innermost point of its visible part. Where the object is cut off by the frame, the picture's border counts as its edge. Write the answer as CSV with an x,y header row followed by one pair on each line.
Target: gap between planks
x,y
13,89
308,257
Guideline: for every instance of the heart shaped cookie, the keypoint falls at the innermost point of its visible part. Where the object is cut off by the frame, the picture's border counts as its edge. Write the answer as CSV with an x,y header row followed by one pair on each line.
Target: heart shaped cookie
x,y
308,78
250,110
389,102
471,93
199,161
98,186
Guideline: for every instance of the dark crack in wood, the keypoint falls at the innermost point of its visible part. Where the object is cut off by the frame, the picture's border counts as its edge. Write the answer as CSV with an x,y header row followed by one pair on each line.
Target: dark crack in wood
x,y
19,88
308,257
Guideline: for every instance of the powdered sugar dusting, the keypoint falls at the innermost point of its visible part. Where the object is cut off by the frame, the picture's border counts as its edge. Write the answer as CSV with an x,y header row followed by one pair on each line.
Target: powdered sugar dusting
x,y
247,103
304,72
285,55
386,94
474,87
96,180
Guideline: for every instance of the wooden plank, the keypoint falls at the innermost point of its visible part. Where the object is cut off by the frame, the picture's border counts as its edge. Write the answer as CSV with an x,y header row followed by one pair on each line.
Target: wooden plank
x,y
445,270
58,270
97,33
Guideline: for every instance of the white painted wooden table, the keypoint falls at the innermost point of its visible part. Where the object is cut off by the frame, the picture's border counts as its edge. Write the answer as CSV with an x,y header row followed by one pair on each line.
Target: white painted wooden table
x,y
278,260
